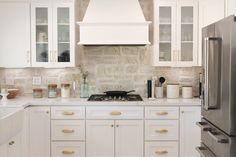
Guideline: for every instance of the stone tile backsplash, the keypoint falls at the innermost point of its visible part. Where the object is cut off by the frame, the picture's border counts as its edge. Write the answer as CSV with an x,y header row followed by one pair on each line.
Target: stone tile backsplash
x,y
110,67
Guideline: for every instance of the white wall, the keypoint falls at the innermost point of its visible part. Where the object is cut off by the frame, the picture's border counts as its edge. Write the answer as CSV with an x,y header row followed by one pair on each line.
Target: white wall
x,y
230,7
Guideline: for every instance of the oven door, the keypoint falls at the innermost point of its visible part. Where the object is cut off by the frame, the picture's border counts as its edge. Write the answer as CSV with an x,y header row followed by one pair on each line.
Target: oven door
x,y
216,141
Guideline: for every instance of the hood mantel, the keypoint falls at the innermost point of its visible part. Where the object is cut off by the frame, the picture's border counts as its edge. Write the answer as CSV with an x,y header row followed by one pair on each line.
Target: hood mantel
x,y
114,22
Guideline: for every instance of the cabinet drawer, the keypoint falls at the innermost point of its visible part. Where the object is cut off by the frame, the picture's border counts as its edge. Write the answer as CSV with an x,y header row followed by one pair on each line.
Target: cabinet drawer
x,y
161,130
162,113
159,149
68,129
114,112
70,149
68,112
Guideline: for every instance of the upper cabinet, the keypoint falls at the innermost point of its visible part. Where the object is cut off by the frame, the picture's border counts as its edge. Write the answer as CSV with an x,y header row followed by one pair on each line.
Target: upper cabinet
x,y
52,28
231,7
175,33
15,34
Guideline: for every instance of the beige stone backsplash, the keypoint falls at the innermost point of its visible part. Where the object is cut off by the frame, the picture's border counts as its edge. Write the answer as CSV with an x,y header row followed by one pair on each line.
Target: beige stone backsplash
x,y
110,68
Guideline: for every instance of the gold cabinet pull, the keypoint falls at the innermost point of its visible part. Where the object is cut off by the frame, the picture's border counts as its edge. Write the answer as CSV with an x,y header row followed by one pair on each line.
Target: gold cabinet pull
x,y
66,113
68,131
162,113
161,152
115,113
161,130
11,143
68,152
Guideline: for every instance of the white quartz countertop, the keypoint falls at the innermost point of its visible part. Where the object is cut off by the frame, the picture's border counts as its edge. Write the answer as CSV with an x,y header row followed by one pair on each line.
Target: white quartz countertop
x,y
29,101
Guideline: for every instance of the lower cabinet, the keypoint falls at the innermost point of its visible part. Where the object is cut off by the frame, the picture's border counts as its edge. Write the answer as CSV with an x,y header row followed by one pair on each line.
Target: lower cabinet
x,y
13,147
166,149
190,133
39,132
117,138
70,149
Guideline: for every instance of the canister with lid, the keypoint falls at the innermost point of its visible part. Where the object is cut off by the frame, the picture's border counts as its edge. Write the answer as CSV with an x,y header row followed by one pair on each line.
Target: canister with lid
x,y
65,90
52,91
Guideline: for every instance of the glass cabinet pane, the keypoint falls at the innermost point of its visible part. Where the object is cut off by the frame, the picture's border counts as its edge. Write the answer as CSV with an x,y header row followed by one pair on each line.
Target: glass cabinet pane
x,y
165,36
41,34
63,28
187,33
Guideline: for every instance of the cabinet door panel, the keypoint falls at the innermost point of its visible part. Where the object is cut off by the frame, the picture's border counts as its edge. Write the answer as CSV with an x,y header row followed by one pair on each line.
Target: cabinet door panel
x,y
189,130
15,146
39,132
15,35
164,34
100,138
129,138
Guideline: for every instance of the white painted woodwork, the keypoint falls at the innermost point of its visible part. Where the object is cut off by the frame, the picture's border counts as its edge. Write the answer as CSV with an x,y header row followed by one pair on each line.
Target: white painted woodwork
x,y
25,134
68,149
100,138
39,136
68,112
15,35
190,133
210,11
129,138
161,130
109,22
161,113
159,149
53,52
68,130
114,112
175,33
230,7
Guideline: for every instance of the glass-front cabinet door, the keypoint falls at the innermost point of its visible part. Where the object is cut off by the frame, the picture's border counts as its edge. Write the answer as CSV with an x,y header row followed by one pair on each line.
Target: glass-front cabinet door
x,y
164,34
41,43
175,33
52,34
64,33
187,32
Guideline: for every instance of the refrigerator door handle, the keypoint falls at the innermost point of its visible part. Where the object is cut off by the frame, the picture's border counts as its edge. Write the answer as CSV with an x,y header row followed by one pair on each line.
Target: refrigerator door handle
x,y
204,152
206,103
204,126
218,137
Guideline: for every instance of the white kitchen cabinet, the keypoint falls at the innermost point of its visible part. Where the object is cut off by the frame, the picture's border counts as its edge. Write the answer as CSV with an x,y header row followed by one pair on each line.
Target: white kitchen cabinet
x,y
175,33
15,34
100,138
110,138
12,147
39,132
190,133
159,149
230,7
129,138
52,29
210,11
70,149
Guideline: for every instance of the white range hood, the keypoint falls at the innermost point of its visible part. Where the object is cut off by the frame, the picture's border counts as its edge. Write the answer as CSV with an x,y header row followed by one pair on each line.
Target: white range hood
x,y
114,22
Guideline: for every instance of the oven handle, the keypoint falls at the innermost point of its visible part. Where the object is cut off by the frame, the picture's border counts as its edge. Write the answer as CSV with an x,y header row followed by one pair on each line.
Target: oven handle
x,y
204,126
218,137
204,152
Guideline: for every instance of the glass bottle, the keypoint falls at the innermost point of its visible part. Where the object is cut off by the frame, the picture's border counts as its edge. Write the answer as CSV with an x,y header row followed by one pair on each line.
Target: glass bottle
x,y
84,89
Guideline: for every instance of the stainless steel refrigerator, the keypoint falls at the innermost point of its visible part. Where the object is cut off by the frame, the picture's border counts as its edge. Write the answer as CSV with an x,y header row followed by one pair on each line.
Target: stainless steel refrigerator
x,y
218,125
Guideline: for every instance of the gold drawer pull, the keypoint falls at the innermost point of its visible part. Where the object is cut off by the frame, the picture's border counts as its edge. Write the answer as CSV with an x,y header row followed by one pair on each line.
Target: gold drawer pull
x,y
68,131
161,130
162,113
11,143
68,113
115,113
68,152
161,152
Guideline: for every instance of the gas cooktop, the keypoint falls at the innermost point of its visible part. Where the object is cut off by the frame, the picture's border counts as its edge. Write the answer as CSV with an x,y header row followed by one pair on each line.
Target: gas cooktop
x,y
104,97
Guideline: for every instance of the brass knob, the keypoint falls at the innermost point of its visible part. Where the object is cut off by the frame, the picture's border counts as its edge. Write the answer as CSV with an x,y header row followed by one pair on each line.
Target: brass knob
x,y
115,113
66,113
68,131
162,113
117,125
112,125
68,152
161,152
161,130
47,112
11,143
